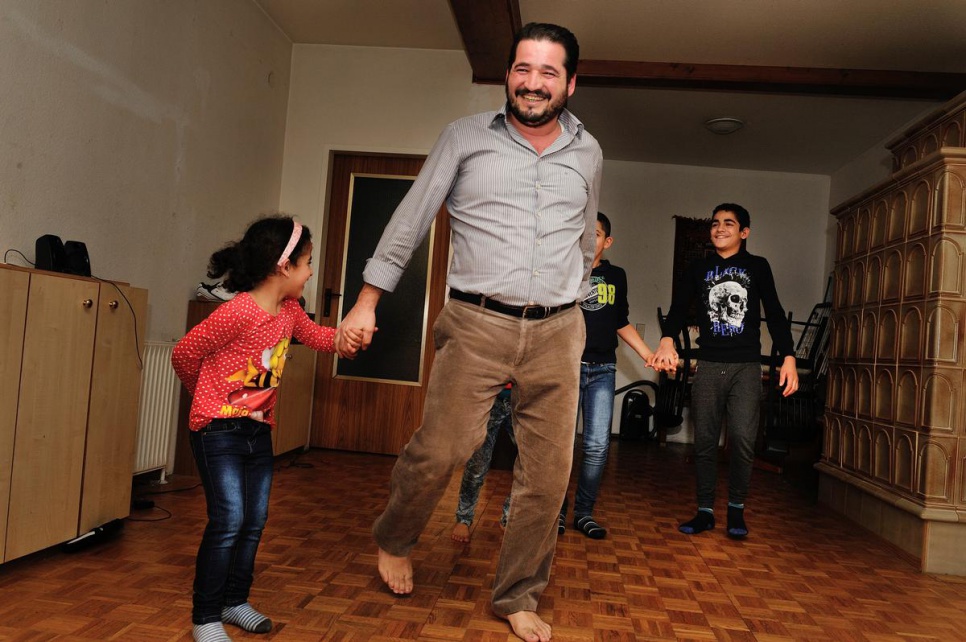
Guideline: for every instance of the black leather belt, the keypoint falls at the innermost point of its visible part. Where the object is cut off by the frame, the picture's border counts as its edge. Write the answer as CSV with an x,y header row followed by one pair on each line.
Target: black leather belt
x,y
523,312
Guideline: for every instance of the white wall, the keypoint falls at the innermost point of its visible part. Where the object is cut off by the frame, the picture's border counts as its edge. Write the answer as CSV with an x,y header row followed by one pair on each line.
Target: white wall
x,y
152,131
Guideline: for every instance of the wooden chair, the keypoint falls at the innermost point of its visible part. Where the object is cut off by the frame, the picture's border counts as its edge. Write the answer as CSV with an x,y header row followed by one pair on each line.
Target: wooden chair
x,y
795,419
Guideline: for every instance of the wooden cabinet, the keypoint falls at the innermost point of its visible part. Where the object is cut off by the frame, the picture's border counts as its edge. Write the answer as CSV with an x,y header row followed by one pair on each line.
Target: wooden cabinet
x,y
76,407
293,409
13,317
113,416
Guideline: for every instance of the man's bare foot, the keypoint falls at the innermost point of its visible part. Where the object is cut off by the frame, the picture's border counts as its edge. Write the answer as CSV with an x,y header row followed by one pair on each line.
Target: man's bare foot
x,y
528,626
396,572
461,533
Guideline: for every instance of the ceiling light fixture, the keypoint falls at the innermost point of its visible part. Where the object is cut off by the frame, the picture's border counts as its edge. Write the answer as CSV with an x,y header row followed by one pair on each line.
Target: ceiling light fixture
x,y
724,126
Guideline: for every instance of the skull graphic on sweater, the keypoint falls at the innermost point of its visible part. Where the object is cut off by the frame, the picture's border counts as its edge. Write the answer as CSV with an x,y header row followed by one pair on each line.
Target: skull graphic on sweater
x,y
727,303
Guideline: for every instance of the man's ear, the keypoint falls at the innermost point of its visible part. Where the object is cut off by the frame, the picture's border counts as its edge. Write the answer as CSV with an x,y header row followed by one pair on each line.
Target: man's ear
x,y
608,242
745,232
571,85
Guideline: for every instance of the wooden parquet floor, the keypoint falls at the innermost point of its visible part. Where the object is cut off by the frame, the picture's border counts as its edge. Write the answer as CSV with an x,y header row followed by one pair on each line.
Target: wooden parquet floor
x,y
801,575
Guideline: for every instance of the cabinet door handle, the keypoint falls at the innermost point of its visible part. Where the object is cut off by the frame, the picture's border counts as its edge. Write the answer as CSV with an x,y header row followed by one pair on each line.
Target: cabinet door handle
x,y
112,305
88,303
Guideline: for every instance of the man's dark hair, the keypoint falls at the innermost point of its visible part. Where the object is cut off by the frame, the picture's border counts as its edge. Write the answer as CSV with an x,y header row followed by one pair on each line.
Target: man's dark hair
x,y
604,222
744,218
554,33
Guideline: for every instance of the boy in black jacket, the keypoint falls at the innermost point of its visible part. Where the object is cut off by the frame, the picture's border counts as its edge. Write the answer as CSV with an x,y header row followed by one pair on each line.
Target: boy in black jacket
x,y
733,285
605,311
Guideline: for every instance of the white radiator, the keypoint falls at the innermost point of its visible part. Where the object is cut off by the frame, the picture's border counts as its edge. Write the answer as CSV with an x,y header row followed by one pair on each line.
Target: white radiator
x,y
158,417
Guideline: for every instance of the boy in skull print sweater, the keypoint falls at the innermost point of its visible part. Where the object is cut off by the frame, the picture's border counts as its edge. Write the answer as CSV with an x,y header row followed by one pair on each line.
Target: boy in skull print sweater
x,y
731,287
731,293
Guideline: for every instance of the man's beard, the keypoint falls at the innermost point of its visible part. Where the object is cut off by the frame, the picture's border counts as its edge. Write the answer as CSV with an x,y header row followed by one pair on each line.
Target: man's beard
x,y
534,119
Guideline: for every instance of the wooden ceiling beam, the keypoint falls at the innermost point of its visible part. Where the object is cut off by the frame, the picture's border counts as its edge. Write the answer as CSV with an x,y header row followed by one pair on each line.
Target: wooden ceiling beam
x,y
487,28
783,80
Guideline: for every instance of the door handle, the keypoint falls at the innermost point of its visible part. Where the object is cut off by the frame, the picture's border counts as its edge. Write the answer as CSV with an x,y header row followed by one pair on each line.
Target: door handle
x,y
327,297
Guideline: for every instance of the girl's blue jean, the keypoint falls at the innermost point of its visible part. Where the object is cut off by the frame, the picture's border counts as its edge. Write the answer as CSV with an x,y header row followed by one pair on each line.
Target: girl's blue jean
x,y
597,403
234,458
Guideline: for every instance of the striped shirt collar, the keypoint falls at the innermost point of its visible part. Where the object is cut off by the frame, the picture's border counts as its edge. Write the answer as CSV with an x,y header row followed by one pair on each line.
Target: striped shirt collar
x,y
568,122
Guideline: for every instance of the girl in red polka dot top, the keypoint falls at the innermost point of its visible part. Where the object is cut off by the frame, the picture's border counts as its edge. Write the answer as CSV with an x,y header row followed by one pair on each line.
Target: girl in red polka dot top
x,y
232,364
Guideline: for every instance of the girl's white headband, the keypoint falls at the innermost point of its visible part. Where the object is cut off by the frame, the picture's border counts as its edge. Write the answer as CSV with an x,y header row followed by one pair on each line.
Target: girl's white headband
x,y
292,242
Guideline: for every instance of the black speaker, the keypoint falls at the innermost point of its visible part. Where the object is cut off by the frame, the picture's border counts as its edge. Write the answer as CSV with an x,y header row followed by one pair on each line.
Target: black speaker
x,y
77,260
50,254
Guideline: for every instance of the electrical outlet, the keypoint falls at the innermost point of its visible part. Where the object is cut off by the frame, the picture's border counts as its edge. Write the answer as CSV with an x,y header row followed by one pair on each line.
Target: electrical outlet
x,y
640,329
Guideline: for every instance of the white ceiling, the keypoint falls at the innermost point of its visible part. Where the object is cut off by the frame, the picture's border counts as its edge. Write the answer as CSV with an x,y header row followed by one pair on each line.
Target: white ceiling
x,y
783,132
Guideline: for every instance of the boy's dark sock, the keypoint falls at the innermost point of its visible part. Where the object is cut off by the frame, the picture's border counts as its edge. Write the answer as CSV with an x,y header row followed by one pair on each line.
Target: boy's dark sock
x,y
736,521
703,521
589,527
562,518
246,617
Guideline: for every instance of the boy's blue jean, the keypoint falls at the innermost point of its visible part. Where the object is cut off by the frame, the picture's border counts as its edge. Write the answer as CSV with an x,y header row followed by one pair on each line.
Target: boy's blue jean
x,y
479,464
234,458
597,402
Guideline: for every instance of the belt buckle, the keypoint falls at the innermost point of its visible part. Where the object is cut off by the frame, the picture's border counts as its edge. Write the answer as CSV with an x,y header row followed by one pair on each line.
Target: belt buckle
x,y
535,312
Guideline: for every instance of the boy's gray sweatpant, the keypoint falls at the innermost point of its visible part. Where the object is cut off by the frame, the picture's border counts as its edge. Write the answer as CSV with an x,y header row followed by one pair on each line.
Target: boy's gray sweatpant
x,y
729,392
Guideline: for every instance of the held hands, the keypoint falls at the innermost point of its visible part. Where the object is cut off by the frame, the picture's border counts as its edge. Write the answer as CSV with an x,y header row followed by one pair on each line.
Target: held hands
x,y
348,341
666,357
355,332
651,362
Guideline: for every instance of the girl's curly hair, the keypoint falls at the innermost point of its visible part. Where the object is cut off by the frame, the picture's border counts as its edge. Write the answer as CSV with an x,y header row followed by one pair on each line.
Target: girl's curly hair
x,y
254,258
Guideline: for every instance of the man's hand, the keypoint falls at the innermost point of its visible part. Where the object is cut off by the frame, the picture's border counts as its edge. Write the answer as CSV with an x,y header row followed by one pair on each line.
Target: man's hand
x,y
356,330
788,376
666,357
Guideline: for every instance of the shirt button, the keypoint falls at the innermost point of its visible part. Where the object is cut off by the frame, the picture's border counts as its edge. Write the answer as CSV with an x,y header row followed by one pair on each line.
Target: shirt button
x,y
539,242
536,272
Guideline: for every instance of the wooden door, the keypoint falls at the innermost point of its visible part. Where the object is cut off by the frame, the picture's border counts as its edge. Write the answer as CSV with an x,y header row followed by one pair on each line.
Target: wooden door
x,y
48,458
358,413
13,316
115,395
